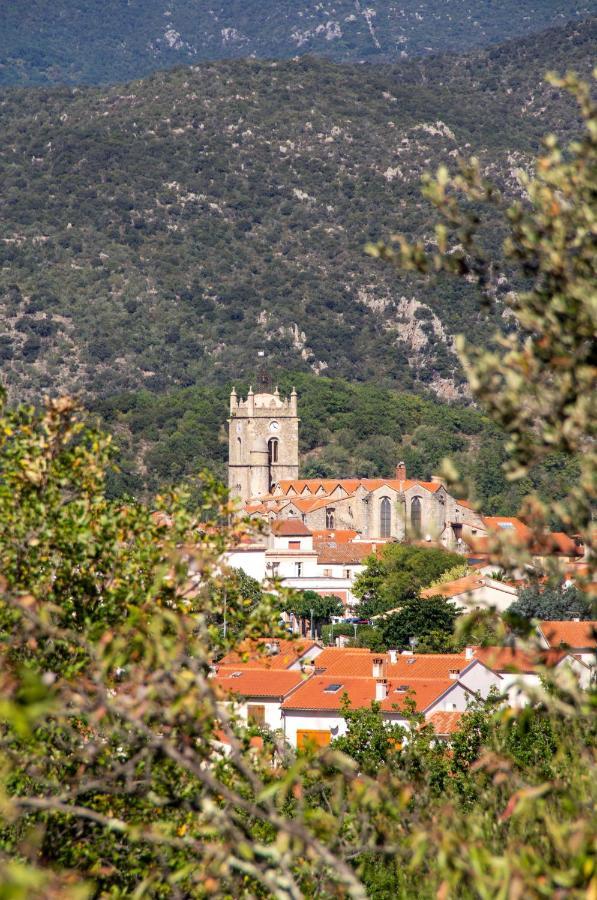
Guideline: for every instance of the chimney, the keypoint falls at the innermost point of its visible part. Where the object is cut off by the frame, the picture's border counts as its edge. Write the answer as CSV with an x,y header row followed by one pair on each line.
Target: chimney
x,y
401,471
437,479
381,689
378,667
469,652
393,654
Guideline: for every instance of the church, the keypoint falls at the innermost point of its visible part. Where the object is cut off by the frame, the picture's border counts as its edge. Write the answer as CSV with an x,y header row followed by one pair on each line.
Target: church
x,y
263,477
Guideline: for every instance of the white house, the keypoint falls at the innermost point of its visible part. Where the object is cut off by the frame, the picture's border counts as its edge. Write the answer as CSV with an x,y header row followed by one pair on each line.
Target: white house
x,y
475,591
577,637
257,694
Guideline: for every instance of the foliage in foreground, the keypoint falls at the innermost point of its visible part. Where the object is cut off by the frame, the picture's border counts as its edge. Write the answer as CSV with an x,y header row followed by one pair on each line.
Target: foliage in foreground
x,y
112,776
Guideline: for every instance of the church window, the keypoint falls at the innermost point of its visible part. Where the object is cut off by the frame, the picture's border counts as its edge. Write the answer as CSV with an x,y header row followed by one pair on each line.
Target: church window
x,y
330,518
239,447
385,518
272,446
415,515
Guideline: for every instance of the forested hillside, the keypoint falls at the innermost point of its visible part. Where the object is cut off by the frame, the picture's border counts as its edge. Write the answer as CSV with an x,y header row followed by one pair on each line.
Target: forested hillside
x,y
87,41
159,234
345,429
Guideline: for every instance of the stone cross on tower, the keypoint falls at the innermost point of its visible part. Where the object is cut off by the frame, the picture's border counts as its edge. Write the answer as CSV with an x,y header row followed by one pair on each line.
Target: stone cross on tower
x,y
262,442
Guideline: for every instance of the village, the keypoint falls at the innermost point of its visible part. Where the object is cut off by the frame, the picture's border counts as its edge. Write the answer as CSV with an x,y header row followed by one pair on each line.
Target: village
x,y
317,535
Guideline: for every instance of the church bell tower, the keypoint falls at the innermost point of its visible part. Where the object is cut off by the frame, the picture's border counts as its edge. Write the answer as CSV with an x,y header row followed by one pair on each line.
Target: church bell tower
x,y
262,442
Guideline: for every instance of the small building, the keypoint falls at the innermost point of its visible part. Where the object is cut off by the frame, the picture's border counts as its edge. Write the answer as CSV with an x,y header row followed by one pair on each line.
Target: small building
x,y
476,591
577,637
257,694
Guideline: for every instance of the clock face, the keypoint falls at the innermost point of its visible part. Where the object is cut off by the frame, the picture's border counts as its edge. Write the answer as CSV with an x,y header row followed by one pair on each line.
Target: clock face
x,y
274,426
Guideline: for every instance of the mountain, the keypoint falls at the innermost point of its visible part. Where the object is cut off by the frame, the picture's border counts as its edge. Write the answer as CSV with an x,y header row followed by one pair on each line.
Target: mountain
x,y
105,41
160,234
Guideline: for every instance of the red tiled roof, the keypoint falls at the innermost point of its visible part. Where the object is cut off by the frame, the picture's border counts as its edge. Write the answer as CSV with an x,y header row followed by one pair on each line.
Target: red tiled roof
x,y
308,504
345,553
463,585
356,661
561,543
445,723
334,536
350,485
576,635
513,659
248,682
253,654
290,528
466,503
508,525
361,692
314,484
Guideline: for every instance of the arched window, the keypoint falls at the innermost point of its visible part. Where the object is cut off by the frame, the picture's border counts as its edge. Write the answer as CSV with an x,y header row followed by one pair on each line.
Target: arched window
x,y
330,518
239,448
385,518
415,515
272,447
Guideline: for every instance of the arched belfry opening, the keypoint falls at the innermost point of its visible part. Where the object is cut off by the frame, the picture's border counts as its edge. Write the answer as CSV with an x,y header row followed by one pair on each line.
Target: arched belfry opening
x,y
272,450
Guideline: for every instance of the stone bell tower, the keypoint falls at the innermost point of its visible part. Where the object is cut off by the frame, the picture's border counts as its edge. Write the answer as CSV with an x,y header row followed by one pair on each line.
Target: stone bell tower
x,y
262,442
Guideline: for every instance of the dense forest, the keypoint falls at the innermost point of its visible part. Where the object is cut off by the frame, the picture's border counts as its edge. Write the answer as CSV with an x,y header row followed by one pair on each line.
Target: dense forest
x,y
346,429
87,41
157,234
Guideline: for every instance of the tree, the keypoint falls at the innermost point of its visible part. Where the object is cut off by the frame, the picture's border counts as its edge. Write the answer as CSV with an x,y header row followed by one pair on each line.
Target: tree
x,y
110,725
307,605
397,574
559,601
431,620
371,741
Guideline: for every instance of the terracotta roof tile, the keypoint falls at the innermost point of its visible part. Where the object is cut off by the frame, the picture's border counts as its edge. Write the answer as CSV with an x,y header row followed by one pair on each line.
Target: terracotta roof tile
x,y
361,692
463,585
445,723
345,553
576,635
359,662
563,544
508,525
248,682
513,659
350,485
290,528
334,536
253,654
